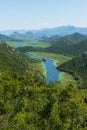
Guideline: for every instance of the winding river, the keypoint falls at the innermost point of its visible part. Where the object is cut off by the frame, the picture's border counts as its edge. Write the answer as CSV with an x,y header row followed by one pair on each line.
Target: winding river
x,y
52,74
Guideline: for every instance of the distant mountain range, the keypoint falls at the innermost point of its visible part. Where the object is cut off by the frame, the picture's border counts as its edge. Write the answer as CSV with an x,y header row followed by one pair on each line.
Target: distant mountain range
x,y
25,36
5,38
69,45
61,31
9,32
69,39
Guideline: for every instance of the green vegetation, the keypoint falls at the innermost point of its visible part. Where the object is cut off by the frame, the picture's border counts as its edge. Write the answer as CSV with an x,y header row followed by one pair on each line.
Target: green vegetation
x,y
65,78
68,46
41,44
68,39
78,68
27,103
68,50
59,58
12,60
17,44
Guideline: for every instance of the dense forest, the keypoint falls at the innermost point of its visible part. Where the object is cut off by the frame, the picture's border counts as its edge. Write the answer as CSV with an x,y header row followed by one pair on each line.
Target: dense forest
x,y
68,39
78,68
13,60
28,103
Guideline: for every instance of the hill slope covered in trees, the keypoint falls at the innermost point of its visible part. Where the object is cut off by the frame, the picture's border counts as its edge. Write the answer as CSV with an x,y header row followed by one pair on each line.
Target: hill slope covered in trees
x,y
70,45
26,102
12,60
78,68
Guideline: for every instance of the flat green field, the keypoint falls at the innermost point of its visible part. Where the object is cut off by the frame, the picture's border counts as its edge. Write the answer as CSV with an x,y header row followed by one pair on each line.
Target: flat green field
x,y
59,59
27,43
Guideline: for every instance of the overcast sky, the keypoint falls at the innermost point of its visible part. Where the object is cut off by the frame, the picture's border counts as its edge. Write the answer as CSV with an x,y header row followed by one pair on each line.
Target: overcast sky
x,y
37,14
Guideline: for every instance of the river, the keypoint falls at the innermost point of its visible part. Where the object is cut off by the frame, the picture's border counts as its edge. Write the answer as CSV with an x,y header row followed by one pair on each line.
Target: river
x,y
52,74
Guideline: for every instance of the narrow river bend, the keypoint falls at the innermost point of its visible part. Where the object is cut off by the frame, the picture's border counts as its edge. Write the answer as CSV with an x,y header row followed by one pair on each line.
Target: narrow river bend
x,y
52,74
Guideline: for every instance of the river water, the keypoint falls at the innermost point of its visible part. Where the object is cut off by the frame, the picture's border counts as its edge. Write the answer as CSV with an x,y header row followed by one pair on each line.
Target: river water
x,y
52,74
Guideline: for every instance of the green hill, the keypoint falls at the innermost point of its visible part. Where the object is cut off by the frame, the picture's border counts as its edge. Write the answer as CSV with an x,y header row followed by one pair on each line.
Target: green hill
x,y
68,39
61,48
78,68
70,45
12,60
27,103
70,49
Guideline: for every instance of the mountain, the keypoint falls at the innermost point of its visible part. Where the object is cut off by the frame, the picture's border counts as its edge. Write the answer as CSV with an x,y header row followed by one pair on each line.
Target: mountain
x,y
26,36
72,38
27,103
68,49
78,68
5,38
9,32
68,39
12,60
75,37
29,34
61,31
51,40
70,45
16,35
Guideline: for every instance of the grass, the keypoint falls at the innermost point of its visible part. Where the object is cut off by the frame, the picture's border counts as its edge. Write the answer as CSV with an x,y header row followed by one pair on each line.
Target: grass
x,y
59,59
65,78
16,44
41,44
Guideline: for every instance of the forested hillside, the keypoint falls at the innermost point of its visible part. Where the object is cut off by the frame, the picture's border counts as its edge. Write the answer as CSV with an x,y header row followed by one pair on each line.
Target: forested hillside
x,y
68,39
12,60
70,45
27,102
78,68
70,49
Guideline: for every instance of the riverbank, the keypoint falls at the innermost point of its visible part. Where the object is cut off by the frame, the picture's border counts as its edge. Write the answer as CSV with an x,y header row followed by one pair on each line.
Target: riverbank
x,y
61,77
50,71
58,60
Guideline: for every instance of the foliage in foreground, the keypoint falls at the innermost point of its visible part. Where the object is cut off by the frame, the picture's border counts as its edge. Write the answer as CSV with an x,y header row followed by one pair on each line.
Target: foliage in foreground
x,y
27,103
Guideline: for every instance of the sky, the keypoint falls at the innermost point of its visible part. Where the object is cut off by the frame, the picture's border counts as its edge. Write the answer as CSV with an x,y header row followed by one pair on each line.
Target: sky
x,y
38,14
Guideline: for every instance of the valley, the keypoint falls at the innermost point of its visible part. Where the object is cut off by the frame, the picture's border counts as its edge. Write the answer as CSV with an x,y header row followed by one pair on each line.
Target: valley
x,y
44,83
43,65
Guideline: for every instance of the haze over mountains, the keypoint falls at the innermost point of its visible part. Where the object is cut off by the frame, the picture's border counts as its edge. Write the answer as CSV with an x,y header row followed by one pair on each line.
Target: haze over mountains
x,y
27,102
61,31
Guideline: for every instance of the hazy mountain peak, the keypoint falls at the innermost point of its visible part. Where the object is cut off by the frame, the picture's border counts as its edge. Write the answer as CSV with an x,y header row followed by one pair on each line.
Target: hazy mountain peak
x,y
15,34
